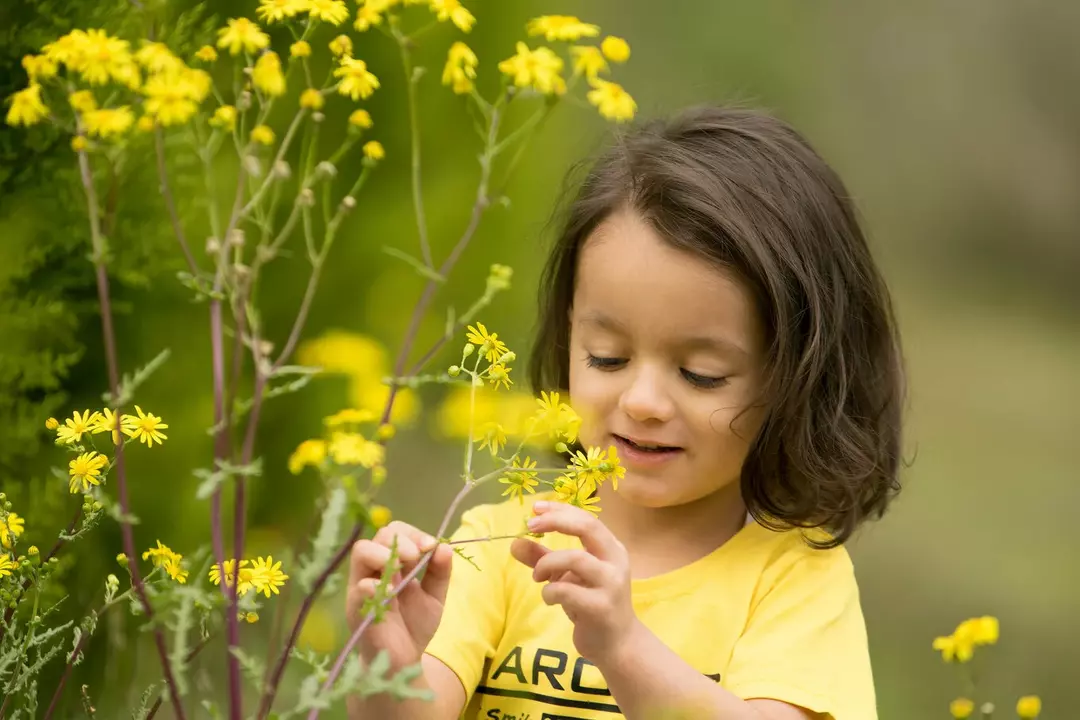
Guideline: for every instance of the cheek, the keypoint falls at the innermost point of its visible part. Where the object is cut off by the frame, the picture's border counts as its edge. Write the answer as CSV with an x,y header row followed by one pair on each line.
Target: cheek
x,y
593,395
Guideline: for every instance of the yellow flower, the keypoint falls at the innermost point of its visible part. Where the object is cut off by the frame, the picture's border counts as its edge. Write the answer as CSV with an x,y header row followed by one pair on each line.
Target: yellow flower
x,y
367,17
385,431
108,122
7,565
144,124
569,491
262,135
144,428
10,529
460,69
85,470
206,54
373,150
360,119
230,575
612,100
106,421
39,67
332,11
242,35
1029,707
961,708
73,428
349,416
174,97
488,342
499,374
99,57
82,100
79,143
589,469
225,117
175,570
309,452
52,423
320,630
455,12
311,99
341,45
248,617
300,49
493,436
355,449
613,467
277,10
267,75
27,107
588,61
266,575
520,479
161,554
538,69
380,516
356,81
615,49
561,27
555,418
156,57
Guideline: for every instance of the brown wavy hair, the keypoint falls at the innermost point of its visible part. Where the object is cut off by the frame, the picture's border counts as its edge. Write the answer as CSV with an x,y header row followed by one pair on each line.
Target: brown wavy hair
x,y
744,191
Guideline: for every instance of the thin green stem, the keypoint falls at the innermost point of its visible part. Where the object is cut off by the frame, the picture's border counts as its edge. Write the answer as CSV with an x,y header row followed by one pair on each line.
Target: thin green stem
x,y
412,78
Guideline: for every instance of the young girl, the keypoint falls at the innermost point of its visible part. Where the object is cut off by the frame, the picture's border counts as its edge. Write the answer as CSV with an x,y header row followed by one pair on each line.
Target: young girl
x,y
712,306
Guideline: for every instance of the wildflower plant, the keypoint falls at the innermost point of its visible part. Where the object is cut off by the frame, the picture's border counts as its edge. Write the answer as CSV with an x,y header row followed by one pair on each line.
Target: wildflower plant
x,y
117,99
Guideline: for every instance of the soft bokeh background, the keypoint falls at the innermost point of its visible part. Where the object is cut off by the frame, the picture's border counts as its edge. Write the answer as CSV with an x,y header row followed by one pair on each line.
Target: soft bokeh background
x,y
955,127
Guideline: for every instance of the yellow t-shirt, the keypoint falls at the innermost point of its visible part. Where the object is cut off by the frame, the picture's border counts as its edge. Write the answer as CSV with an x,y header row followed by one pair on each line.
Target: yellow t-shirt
x,y
765,615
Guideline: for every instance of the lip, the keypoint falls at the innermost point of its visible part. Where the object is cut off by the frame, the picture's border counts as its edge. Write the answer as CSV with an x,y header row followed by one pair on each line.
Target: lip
x,y
632,456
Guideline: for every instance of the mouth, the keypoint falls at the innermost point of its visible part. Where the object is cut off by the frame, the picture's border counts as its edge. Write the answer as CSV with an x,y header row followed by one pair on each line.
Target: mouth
x,y
641,451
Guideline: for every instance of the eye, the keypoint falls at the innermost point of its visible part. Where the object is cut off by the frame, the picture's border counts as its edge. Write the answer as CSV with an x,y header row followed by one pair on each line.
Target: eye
x,y
703,381
605,363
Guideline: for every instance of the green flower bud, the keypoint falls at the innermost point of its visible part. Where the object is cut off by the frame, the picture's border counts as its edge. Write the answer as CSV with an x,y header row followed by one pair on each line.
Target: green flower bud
x,y
454,371
469,350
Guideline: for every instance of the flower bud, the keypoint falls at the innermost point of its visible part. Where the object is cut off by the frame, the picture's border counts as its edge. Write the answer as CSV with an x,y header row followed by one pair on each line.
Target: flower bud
x,y
266,347
508,358
348,202
213,246
306,197
122,560
242,271
380,516
52,423
378,476
317,117
454,371
469,350
244,101
326,168
32,550
282,170
560,447
236,237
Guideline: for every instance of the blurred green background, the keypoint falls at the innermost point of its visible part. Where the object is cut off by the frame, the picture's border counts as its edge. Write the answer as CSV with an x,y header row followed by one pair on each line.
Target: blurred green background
x,y
955,127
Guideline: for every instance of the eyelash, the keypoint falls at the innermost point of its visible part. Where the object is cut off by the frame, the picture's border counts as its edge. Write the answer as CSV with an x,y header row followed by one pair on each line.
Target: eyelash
x,y
701,381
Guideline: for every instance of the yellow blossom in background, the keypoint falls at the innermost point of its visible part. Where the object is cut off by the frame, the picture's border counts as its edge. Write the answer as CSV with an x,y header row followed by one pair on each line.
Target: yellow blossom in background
x,y
266,575
262,134
206,53
499,374
520,479
479,335
349,416
278,10
348,448
267,76
373,150
511,410
334,12
455,12
79,143
82,100
356,81
144,124
156,57
106,421
380,516
961,708
242,35
161,554
960,646
39,67
230,575
225,117
146,427
588,61
561,27
360,119
73,428
320,630
460,69
309,452
615,49
7,565
311,99
173,98
367,17
65,48
175,570
300,49
612,100
1029,707
52,423
538,69
385,432
556,418
493,437
11,528
341,45
26,107
108,122
99,57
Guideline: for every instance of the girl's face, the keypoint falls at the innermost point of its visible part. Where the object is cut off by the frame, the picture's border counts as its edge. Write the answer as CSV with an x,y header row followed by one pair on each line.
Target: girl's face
x,y
665,363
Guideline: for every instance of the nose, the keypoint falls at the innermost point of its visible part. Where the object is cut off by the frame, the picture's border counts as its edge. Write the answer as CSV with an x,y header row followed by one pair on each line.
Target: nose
x,y
646,398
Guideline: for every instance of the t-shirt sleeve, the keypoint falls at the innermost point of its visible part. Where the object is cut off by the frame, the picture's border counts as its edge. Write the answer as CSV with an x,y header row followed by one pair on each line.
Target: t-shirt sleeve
x,y
805,641
475,609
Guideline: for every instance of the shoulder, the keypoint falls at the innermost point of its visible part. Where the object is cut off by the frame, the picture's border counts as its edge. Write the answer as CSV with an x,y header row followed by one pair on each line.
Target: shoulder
x,y
786,558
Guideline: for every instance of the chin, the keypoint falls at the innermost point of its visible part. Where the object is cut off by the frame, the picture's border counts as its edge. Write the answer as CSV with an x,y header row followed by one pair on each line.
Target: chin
x,y
651,492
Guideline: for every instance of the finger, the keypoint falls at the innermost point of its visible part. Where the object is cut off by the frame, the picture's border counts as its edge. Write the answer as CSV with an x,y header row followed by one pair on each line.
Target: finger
x,y
589,569
570,520
359,593
407,540
437,573
574,599
527,552
368,559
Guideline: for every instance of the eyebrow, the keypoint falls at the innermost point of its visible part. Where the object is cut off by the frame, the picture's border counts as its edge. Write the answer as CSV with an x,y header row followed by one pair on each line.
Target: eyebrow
x,y
703,342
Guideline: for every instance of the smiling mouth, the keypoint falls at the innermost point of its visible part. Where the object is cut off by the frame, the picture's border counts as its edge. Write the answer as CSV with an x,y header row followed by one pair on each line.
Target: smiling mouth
x,y
646,447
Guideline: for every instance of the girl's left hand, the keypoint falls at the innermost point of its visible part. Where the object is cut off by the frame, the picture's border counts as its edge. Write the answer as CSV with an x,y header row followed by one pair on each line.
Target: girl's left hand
x,y
592,585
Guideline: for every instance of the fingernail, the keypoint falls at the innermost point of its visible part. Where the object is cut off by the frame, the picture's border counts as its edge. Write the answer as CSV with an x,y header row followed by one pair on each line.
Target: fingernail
x,y
540,506
532,523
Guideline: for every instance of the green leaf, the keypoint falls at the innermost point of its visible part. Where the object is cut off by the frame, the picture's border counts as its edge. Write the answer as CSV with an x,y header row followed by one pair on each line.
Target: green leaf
x,y
327,540
130,383
143,710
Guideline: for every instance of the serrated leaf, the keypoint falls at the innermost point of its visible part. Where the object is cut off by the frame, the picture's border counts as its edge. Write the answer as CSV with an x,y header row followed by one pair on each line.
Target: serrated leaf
x,y
326,541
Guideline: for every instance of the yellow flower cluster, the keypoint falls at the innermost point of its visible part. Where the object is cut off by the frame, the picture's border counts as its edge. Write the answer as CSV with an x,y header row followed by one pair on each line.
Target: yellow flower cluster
x,y
143,427
262,575
974,632
11,527
347,445
7,565
171,562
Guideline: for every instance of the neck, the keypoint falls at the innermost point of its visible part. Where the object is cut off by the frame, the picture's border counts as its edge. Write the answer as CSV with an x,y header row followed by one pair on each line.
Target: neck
x,y
662,539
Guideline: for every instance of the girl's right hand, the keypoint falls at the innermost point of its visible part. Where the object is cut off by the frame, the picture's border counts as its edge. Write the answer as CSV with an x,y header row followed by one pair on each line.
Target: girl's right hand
x,y
413,616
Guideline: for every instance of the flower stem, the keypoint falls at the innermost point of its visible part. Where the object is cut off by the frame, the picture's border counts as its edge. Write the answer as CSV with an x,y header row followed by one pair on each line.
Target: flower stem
x,y
170,203
411,79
